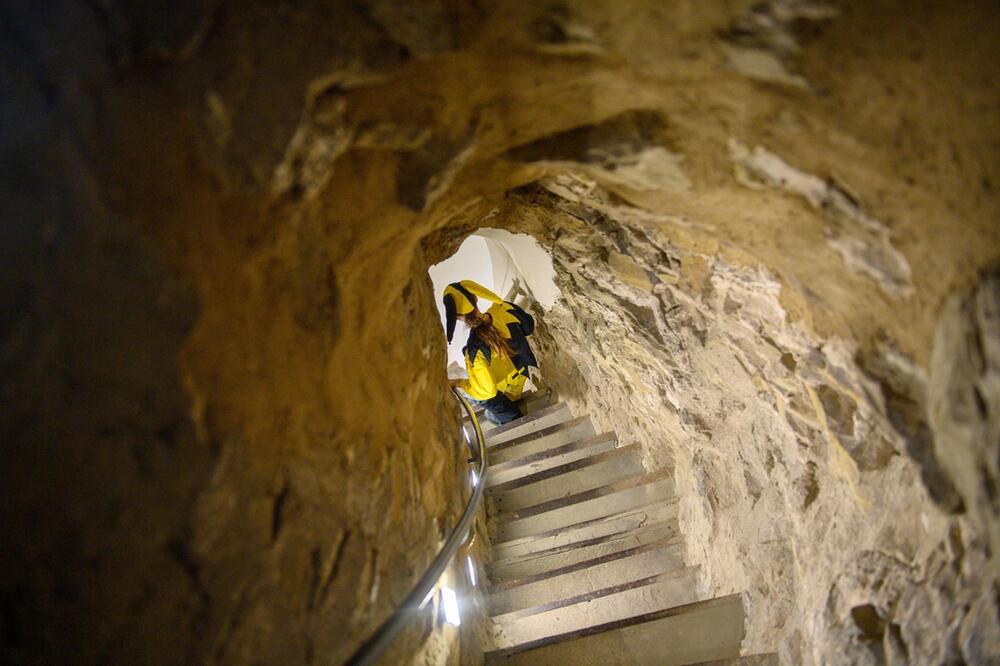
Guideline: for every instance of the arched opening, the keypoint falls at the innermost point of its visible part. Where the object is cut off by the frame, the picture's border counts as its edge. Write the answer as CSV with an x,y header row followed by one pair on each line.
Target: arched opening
x,y
512,265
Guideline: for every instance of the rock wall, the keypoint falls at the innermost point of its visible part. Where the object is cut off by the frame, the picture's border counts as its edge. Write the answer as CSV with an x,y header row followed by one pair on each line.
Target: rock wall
x,y
226,425
224,414
800,480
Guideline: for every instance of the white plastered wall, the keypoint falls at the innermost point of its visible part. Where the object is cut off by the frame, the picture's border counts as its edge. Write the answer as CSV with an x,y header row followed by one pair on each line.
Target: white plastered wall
x,y
495,258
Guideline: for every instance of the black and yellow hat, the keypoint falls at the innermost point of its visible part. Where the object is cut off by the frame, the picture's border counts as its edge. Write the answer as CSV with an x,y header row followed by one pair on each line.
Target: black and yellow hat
x,y
461,297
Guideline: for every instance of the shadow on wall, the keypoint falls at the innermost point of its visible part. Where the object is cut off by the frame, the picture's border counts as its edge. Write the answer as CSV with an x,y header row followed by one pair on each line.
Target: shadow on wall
x,y
504,262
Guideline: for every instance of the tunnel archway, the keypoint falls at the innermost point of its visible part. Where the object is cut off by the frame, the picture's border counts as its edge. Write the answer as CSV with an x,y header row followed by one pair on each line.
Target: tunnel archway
x,y
514,266
772,227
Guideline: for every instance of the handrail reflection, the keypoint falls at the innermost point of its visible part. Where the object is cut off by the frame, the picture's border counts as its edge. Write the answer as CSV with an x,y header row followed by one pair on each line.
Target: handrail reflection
x,y
384,636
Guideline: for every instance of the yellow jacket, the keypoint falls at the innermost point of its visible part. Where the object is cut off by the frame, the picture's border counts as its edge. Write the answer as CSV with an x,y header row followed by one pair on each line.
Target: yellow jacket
x,y
499,374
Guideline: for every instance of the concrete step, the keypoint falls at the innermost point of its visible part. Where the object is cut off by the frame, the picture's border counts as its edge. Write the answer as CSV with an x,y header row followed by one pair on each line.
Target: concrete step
x,y
530,401
485,424
688,634
613,570
511,470
543,440
526,425
750,660
544,561
526,626
535,401
586,532
597,503
569,479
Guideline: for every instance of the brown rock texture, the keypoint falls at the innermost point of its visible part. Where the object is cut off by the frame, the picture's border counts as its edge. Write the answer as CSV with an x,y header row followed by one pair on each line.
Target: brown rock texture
x,y
227,435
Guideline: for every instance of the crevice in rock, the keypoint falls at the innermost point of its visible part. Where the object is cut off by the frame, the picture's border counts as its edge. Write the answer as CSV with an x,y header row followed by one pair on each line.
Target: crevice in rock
x,y
809,485
870,624
277,509
903,393
609,143
326,569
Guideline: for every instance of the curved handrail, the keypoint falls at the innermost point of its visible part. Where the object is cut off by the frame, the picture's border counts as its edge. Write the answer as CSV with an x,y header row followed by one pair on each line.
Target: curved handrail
x,y
387,632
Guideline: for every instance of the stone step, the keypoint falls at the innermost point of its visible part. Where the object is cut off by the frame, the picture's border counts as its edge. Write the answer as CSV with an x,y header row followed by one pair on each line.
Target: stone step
x,y
607,500
534,564
613,570
586,532
552,437
526,425
511,470
638,597
568,479
689,634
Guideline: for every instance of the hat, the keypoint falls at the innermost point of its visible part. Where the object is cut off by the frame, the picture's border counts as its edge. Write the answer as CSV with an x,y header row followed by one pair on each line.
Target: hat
x,y
461,297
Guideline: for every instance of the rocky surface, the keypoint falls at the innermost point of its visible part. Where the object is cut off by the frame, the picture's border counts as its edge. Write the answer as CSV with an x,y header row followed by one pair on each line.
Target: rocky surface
x,y
798,485
224,419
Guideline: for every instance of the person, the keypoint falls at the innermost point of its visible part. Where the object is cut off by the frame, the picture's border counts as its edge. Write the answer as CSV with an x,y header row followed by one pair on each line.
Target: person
x,y
497,353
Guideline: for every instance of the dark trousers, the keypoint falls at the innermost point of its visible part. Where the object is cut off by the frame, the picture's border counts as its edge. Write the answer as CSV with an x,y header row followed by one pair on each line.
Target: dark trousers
x,y
500,409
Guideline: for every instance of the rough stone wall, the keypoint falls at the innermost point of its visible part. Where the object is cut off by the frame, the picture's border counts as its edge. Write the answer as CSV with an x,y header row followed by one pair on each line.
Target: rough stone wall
x,y
226,426
223,416
796,480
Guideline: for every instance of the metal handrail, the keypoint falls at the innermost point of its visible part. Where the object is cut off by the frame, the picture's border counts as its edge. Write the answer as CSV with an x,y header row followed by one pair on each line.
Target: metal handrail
x,y
414,601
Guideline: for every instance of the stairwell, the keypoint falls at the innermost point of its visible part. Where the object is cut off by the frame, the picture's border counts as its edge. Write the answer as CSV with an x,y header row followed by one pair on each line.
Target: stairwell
x,y
587,562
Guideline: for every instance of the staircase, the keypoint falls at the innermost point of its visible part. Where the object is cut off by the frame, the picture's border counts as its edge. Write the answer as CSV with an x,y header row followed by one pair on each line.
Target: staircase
x,y
587,561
